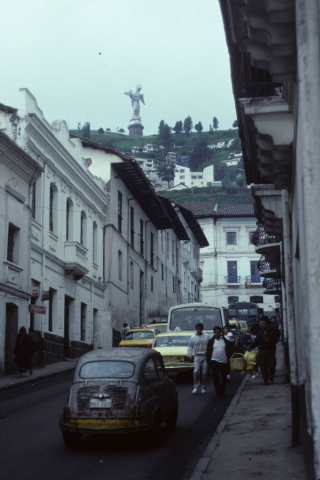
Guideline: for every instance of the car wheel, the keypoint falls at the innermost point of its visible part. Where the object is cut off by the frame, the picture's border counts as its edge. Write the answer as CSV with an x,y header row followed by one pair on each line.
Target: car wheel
x,y
152,437
71,440
172,419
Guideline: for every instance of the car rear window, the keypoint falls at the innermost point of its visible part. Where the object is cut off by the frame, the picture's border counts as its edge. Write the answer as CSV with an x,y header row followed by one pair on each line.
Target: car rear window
x,y
139,335
172,341
107,369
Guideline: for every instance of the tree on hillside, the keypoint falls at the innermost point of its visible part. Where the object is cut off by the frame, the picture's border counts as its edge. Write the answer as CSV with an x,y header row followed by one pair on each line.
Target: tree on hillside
x,y
199,127
108,130
220,170
240,182
166,171
165,134
86,130
178,127
121,130
215,123
235,124
188,125
200,155
100,130
211,132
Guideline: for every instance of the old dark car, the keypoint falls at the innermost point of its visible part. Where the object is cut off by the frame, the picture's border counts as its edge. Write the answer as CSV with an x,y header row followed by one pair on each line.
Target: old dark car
x,y
119,391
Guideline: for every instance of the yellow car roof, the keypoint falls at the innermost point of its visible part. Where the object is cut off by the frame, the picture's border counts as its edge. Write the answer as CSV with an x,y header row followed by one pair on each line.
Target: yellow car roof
x,y
163,334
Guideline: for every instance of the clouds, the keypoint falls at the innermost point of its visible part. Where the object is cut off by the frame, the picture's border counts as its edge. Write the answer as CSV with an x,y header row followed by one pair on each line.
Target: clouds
x,y
78,59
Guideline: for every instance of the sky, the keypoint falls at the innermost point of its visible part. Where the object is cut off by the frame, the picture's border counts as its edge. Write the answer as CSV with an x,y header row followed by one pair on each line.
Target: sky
x,y
79,57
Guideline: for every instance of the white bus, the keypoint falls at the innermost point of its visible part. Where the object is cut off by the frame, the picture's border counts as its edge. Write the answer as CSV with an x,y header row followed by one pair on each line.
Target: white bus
x,y
187,315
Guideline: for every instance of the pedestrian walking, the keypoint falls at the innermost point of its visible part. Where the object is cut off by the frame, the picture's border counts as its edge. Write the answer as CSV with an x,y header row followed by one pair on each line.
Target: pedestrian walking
x,y
266,341
124,330
198,344
219,351
24,349
228,335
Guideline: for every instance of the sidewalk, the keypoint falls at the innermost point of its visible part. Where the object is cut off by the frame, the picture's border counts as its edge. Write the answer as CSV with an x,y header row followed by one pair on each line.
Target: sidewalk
x,y
39,373
253,439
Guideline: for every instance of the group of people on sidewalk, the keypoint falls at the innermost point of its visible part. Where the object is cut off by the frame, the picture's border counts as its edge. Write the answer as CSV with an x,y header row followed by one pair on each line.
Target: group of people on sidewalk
x,y
215,353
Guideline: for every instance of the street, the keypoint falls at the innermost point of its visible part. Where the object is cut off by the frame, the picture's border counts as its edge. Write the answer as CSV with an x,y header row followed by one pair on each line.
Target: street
x,y
32,447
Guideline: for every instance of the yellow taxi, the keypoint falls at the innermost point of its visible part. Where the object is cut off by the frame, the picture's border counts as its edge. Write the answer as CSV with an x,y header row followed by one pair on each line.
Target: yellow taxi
x,y
161,327
139,337
173,347
243,326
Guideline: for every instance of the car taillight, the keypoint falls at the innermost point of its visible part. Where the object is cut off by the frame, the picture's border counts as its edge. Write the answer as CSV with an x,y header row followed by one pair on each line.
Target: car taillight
x,y
148,346
238,340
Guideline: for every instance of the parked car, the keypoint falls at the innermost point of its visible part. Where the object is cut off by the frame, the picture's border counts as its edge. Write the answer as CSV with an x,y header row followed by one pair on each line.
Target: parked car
x,y
160,327
118,391
139,337
173,347
238,335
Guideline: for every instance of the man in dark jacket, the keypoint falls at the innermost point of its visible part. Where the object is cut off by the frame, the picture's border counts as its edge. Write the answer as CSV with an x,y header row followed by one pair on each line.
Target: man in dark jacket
x,y
266,341
219,350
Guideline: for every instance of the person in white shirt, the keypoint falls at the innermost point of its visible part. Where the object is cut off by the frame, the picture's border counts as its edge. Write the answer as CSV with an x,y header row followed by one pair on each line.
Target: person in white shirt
x,y
219,351
198,344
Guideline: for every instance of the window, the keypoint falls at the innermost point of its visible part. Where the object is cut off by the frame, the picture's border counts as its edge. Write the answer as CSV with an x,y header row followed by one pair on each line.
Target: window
x,y
174,285
255,274
141,237
172,245
250,237
119,212
151,284
162,272
193,177
200,176
95,242
233,299
132,226
231,238
182,177
167,245
33,201
131,275
182,170
119,265
83,228
13,244
52,308
256,299
151,249
232,272
69,219
83,321
150,375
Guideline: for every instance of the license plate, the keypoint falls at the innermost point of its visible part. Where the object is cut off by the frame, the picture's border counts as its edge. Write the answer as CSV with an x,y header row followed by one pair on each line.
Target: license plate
x,y
97,403
171,360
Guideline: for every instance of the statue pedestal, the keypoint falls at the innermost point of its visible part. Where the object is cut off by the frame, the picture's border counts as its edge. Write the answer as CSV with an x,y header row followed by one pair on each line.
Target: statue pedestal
x,y
135,128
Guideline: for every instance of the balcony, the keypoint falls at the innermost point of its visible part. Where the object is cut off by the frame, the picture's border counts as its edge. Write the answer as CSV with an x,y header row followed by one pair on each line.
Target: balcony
x,y
260,89
75,260
272,286
232,279
254,279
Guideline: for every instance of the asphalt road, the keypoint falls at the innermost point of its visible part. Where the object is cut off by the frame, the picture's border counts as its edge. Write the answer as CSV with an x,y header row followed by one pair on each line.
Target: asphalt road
x,y
32,448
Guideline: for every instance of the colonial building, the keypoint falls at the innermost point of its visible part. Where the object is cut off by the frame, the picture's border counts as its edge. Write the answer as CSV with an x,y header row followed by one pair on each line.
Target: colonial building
x,y
275,66
18,173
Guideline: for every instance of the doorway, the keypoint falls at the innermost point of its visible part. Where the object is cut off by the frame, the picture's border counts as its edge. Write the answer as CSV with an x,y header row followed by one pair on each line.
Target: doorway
x,y
11,336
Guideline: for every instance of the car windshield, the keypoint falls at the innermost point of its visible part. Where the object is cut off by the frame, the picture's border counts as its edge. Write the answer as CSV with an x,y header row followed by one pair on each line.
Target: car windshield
x,y
160,328
172,341
107,369
233,327
139,335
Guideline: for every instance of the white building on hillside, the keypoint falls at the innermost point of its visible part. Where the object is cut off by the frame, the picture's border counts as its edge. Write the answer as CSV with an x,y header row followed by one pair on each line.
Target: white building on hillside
x,y
184,176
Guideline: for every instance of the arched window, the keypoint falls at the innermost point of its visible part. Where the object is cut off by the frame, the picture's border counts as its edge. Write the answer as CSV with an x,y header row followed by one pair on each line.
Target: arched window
x,y
83,228
53,208
69,219
95,243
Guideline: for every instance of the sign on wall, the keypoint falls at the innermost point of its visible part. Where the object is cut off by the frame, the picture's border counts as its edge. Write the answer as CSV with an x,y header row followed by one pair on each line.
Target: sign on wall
x,y
37,309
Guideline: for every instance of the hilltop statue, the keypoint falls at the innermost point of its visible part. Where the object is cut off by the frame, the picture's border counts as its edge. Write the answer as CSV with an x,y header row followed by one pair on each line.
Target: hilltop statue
x,y
135,127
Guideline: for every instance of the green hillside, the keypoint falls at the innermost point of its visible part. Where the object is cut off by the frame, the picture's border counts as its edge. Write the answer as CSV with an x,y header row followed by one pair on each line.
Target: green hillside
x,y
223,196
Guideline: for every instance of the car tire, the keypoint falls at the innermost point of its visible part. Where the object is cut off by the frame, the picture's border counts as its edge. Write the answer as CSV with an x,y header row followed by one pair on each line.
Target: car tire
x,y
172,419
152,436
71,440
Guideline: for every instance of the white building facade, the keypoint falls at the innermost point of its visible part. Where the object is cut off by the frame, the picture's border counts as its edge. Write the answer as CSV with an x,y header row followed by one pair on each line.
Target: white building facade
x,y
18,174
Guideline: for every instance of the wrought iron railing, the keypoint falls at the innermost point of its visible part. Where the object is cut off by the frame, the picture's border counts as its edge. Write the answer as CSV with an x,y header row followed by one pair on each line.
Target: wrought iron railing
x,y
232,279
261,89
260,237
253,278
271,284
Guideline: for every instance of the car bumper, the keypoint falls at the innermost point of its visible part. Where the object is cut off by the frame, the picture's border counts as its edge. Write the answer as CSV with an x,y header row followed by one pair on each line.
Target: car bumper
x,y
178,368
103,426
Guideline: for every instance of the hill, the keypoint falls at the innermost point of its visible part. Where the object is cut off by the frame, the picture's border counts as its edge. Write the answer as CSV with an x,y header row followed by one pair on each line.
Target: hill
x,y
222,196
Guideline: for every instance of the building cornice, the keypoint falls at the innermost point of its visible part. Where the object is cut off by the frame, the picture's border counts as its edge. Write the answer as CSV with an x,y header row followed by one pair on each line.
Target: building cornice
x,y
14,291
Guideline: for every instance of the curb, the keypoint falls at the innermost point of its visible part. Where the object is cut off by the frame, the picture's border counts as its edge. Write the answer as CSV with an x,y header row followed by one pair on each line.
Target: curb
x,y
33,379
212,445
